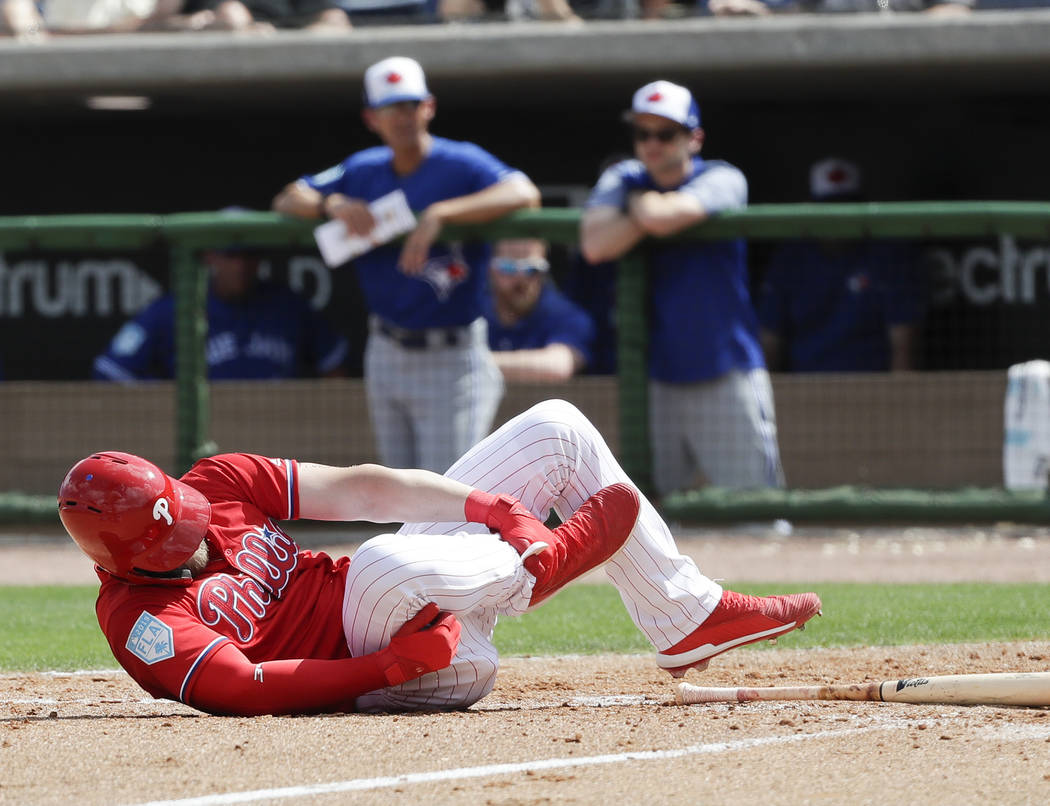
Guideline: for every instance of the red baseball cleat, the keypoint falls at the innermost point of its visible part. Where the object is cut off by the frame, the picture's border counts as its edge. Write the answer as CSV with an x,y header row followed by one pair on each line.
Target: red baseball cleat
x,y
739,619
593,534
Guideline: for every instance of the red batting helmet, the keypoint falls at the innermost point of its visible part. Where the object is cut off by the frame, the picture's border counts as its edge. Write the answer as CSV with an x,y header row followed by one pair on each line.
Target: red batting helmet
x,y
130,517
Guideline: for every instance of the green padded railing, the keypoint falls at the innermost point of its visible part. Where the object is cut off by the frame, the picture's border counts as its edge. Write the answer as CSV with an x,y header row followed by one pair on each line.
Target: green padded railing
x,y
186,233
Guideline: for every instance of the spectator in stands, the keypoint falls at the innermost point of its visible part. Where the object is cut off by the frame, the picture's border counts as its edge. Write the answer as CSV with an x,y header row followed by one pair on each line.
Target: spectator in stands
x,y
841,305
22,20
946,7
256,330
997,5
739,8
118,16
547,10
710,397
760,8
390,12
535,332
265,15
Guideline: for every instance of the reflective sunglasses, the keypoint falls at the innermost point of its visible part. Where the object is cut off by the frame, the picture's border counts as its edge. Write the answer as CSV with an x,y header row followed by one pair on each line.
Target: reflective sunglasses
x,y
528,266
642,134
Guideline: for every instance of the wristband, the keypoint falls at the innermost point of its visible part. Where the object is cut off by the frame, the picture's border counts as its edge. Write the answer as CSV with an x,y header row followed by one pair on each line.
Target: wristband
x,y
478,505
392,669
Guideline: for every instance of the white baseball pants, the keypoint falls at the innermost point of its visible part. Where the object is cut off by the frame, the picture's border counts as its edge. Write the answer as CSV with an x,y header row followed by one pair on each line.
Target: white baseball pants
x,y
722,431
549,457
429,406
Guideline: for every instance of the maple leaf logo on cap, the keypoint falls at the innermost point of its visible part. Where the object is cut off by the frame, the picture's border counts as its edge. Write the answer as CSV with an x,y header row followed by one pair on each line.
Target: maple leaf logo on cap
x,y
656,96
393,78
837,175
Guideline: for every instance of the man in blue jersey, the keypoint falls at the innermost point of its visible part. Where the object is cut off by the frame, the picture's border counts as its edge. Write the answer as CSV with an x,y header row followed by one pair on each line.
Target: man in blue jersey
x,y
256,330
710,398
433,388
536,333
840,305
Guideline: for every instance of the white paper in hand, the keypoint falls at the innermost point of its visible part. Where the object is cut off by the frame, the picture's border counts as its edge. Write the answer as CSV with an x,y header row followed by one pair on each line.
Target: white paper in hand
x,y
393,217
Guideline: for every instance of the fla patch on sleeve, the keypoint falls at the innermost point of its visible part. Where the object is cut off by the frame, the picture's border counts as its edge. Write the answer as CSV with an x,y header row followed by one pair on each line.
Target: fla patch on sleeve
x,y
151,639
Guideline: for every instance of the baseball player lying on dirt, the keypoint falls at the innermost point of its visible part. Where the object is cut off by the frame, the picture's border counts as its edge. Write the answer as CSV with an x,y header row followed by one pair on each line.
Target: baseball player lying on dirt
x,y
206,600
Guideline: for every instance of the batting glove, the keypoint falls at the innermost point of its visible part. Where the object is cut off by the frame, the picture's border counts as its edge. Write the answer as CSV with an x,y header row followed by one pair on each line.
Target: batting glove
x,y
507,515
425,643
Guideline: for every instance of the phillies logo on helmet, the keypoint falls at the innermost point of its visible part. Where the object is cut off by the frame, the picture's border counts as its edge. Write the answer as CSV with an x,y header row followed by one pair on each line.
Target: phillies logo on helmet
x,y
113,504
161,511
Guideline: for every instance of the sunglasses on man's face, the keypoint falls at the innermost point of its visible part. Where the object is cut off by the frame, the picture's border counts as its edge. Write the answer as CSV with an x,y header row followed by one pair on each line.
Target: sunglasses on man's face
x,y
665,135
399,107
526,266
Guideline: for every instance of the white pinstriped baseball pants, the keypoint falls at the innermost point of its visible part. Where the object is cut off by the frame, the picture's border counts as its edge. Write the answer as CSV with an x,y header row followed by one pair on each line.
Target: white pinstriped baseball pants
x,y
549,457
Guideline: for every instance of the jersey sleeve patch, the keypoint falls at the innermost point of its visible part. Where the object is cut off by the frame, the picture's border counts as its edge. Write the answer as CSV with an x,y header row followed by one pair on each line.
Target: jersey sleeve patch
x,y
150,640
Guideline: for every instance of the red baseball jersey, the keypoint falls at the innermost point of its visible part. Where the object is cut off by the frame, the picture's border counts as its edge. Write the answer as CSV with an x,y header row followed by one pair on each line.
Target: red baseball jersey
x,y
271,599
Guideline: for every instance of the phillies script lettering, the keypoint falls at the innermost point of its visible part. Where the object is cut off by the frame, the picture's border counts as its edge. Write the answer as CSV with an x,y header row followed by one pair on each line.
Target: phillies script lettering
x,y
267,557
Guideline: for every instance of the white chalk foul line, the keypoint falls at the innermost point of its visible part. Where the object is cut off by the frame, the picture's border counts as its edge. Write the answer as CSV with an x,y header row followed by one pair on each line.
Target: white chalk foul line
x,y
360,784
605,701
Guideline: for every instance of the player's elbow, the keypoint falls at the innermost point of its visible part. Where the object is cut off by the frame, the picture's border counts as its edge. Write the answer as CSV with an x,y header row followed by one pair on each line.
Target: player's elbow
x,y
591,251
564,362
280,203
595,248
529,196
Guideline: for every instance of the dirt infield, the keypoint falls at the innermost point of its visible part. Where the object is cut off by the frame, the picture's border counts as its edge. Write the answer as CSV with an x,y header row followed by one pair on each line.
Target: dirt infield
x,y
581,729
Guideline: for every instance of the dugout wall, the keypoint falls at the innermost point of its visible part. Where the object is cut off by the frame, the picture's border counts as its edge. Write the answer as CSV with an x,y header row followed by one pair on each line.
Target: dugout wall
x,y
939,430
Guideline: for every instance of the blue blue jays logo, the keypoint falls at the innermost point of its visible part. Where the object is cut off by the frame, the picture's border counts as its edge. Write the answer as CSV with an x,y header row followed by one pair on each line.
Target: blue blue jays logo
x,y
445,273
150,640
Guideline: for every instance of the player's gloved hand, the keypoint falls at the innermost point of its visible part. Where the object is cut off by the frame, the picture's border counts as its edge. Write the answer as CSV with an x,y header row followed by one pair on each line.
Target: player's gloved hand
x,y
420,646
508,516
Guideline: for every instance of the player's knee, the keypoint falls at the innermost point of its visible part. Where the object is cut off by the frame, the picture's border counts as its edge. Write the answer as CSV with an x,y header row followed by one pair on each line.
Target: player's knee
x,y
559,415
556,405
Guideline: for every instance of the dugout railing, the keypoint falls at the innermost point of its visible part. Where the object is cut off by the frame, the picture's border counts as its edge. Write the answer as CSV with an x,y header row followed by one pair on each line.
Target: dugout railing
x,y
185,234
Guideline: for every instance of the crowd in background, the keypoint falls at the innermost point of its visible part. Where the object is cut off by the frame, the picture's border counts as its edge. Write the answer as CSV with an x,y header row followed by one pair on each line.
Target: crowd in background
x,y
36,20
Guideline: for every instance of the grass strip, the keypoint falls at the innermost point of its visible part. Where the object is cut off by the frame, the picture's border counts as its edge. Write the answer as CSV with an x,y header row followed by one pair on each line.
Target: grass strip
x,y
54,628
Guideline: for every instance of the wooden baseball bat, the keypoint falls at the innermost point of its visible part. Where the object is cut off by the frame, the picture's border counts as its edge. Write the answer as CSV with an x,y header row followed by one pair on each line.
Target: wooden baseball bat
x,y
1025,688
